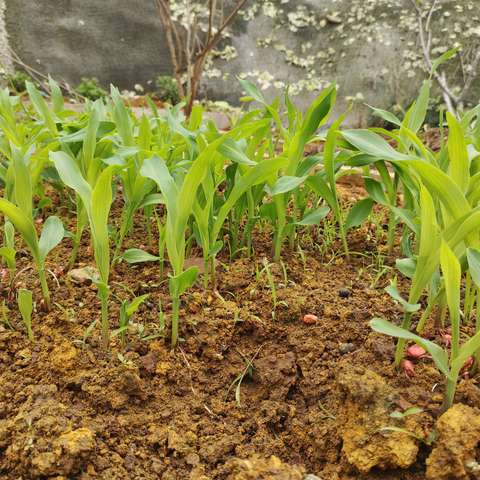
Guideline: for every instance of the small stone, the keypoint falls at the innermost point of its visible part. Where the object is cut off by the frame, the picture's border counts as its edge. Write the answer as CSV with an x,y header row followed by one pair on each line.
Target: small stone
x,y
84,275
311,476
346,348
344,293
192,459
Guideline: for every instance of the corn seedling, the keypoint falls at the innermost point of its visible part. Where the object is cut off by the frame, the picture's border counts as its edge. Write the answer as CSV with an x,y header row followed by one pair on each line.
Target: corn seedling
x,y
301,130
25,305
179,201
20,214
97,202
127,310
449,364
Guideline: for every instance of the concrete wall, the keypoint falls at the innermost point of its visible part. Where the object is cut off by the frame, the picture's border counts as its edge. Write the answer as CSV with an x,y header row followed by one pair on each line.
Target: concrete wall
x,y
370,47
117,41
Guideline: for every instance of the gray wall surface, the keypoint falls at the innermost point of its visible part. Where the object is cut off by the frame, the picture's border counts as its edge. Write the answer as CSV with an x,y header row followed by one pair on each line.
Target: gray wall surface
x,y
117,41
370,47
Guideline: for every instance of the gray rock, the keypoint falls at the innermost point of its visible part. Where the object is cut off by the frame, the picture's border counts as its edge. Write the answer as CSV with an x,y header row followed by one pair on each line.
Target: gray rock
x,y
346,348
311,476
84,275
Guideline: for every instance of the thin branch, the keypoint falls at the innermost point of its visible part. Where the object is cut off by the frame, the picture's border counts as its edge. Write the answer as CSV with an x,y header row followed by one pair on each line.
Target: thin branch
x,y
448,95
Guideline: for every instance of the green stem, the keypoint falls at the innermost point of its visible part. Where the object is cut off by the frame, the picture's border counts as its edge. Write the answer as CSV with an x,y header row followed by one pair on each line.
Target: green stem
x,y
76,245
477,326
175,315
341,226
407,320
449,393
468,297
392,223
105,322
281,222
126,219
43,282
427,312
206,266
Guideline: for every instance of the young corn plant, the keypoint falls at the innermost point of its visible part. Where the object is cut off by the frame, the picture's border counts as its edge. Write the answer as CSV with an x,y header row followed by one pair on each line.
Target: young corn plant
x,y
285,186
127,310
450,364
246,176
19,212
25,305
8,251
133,151
97,201
179,199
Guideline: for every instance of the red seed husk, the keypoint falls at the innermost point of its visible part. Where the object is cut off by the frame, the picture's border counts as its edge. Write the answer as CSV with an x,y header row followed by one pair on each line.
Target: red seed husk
x,y
310,319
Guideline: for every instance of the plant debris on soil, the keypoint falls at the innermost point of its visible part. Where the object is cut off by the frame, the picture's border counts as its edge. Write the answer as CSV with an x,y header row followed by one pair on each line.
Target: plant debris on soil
x,y
247,395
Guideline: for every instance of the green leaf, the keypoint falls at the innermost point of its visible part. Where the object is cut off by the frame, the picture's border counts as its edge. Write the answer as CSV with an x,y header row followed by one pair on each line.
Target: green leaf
x,y
41,107
375,190
359,213
133,306
443,58
286,184
409,411
8,254
372,144
22,183
314,217
452,274
25,305
395,294
180,283
252,90
439,356
56,95
318,112
416,115
232,150
473,259
23,225
52,234
385,115
459,164
71,175
406,266
318,184
98,211
136,255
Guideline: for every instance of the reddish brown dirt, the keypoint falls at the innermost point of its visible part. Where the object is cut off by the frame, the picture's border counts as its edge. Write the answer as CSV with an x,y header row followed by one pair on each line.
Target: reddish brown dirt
x,y
69,409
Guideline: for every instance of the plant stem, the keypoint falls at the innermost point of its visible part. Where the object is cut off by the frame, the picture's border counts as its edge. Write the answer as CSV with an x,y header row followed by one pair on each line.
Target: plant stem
x,y
175,315
76,245
341,226
468,297
206,266
392,222
44,285
449,393
105,322
281,222
407,318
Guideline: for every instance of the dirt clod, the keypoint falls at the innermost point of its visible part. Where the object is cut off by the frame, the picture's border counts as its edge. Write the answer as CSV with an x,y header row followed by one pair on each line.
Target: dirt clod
x,y
366,413
454,454
258,468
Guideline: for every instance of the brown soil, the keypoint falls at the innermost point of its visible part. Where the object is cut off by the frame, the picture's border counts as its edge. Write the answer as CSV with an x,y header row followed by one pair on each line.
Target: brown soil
x,y
318,394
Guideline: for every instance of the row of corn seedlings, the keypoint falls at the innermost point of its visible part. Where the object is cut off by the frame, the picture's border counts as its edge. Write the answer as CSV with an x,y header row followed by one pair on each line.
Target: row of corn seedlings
x,y
211,189
440,212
